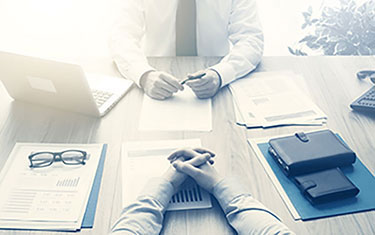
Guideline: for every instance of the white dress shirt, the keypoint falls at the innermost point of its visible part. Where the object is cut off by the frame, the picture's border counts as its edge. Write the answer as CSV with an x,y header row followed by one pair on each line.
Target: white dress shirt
x,y
245,214
228,28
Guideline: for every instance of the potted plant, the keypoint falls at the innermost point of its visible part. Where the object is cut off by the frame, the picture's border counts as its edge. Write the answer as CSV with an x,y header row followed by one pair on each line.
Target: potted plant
x,y
348,29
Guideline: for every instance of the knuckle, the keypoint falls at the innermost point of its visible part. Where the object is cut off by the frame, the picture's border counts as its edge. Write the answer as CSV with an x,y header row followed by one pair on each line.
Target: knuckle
x,y
183,167
195,174
154,90
158,83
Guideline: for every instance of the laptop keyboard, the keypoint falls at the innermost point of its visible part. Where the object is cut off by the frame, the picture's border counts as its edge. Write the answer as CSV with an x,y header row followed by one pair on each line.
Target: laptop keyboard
x,y
101,97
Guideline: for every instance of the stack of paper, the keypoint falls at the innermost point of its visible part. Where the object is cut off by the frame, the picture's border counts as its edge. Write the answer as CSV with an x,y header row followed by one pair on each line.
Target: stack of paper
x,y
270,99
49,198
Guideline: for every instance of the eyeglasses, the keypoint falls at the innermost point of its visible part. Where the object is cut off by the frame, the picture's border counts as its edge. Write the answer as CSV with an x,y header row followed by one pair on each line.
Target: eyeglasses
x,y
68,157
367,73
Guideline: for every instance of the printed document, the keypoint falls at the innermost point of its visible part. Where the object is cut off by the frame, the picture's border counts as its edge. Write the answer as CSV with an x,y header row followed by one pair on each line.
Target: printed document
x,y
52,197
181,112
273,99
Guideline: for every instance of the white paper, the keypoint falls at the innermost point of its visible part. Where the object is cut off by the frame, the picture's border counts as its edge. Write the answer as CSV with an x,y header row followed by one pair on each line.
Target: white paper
x,y
182,112
273,99
53,197
144,160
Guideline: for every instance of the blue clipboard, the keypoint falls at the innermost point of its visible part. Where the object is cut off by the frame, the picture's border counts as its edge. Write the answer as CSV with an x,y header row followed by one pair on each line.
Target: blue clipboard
x,y
357,173
89,217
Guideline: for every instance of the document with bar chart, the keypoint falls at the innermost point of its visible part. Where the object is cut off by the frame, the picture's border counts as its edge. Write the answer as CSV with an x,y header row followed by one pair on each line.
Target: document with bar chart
x,y
52,197
144,160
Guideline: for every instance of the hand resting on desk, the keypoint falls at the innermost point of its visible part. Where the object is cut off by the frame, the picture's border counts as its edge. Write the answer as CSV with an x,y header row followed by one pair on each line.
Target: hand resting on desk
x,y
189,157
207,86
160,85
245,214
203,173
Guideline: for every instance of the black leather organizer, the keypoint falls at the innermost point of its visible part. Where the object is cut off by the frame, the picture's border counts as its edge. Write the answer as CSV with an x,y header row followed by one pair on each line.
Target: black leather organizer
x,y
312,161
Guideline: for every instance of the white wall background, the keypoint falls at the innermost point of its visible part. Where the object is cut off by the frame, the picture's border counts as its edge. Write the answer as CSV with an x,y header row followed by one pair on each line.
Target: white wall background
x,y
77,30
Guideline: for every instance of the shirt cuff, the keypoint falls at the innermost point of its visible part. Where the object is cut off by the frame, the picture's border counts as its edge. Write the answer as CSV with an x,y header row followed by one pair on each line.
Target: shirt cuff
x,y
159,189
135,71
226,72
228,189
231,195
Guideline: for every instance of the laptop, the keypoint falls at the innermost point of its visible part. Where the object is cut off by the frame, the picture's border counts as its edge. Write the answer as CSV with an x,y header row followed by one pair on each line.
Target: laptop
x,y
61,85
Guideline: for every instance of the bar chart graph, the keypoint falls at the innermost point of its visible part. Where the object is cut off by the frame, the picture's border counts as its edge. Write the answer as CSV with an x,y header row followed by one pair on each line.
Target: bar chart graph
x,y
68,182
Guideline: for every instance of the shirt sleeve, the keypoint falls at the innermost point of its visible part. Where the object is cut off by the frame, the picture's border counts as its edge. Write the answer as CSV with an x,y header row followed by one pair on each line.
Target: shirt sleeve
x,y
146,214
125,41
245,33
245,214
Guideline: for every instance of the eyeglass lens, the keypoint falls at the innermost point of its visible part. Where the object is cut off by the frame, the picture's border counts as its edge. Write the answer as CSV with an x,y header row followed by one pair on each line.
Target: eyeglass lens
x,y
72,157
372,78
42,159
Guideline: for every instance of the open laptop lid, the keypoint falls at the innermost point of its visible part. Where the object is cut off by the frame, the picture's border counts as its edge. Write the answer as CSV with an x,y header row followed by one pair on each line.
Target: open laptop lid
x,y
47,82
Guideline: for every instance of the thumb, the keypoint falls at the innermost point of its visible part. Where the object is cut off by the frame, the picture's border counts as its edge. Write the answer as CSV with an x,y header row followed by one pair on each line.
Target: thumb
x,y
200,72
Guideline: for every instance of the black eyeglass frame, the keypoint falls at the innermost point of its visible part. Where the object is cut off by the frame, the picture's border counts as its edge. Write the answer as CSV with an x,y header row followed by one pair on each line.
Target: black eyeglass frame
x,y
366,74
57,156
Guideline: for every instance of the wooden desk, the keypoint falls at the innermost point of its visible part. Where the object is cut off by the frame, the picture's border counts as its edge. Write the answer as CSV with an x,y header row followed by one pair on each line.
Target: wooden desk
x,y
332,84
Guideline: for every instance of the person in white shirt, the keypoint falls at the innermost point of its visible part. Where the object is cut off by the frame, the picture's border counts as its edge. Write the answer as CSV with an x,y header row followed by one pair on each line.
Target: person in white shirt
x,y
227,28
245,214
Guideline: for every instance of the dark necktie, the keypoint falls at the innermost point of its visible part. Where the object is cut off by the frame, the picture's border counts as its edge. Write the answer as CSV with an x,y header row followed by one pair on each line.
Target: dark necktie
x,y
186,42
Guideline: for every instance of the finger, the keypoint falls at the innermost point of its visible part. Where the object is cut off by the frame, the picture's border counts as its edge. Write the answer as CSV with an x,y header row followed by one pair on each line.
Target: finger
x,y
167,92
172,81
203,95
161,84
178,153
187,169
204,88
199,160
162,92
196,74
204,150
186,153
166,86
198,82
156,96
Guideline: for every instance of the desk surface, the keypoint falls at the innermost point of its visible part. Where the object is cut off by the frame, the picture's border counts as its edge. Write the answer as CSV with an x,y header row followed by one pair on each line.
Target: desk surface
x,y
332,84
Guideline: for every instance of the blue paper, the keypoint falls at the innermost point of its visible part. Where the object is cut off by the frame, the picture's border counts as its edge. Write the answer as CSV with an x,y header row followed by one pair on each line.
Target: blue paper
x,y
89,217
357,173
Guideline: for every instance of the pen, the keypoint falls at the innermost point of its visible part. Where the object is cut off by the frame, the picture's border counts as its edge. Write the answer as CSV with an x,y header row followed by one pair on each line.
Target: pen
x,y
193,78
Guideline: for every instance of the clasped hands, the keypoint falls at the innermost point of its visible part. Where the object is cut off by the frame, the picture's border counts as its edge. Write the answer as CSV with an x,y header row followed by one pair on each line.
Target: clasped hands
x,y
161,85
196,163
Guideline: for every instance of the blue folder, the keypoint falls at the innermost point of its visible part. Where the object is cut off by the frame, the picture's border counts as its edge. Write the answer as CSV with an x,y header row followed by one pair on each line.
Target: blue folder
x,y
357,173
89,217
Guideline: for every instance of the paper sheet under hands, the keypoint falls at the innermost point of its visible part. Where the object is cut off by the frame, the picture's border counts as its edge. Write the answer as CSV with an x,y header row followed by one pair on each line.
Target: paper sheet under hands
x,y
182,112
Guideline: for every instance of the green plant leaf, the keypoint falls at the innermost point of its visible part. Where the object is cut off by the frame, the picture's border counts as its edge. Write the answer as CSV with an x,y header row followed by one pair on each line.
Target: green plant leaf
x,y
308,38
291,51
340,46
348,29
345,2
364,50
